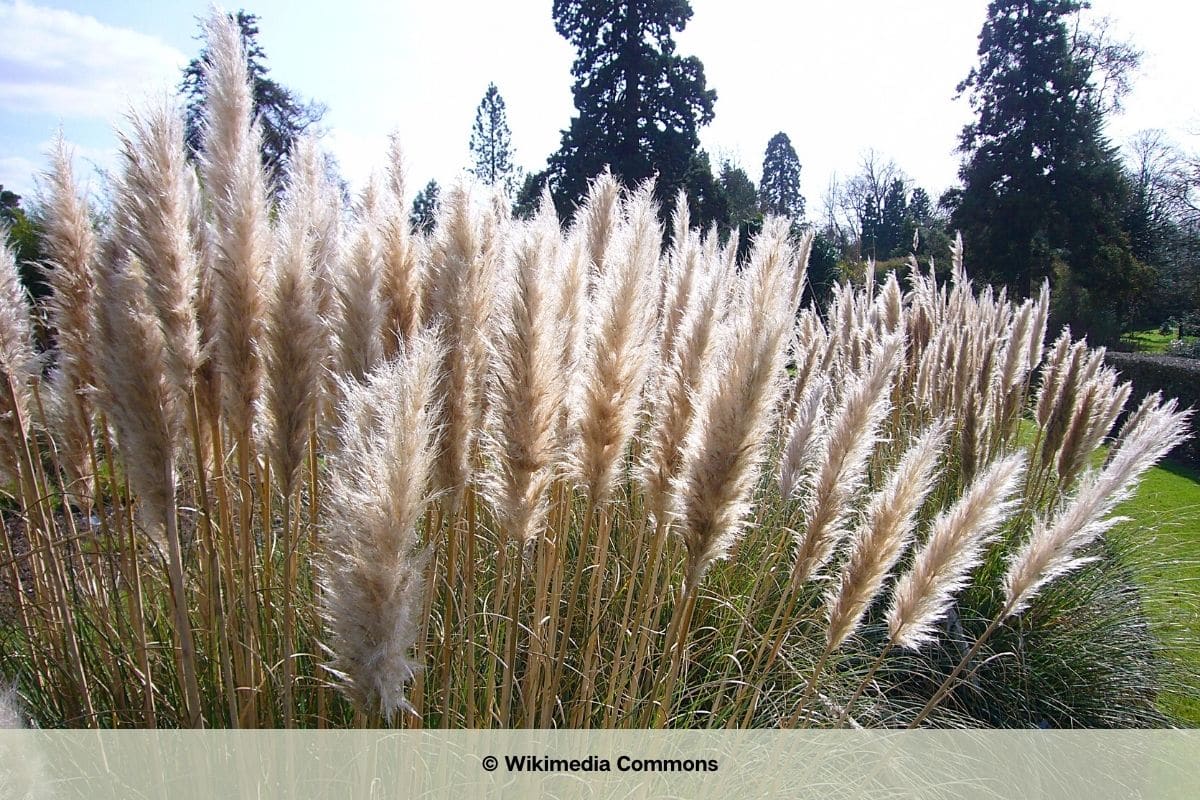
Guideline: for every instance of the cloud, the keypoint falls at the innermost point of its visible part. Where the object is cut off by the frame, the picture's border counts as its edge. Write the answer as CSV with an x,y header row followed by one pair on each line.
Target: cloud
x,y
70,65
16,174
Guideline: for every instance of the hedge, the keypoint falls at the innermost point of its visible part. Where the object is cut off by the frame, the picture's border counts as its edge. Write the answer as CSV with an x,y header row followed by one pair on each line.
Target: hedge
x,y
1174,377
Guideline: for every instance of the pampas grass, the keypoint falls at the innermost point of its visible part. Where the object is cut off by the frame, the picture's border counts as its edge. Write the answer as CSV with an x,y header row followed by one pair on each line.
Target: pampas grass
x,y
885,533
620,345
1053,543
374,571
535,472
955,545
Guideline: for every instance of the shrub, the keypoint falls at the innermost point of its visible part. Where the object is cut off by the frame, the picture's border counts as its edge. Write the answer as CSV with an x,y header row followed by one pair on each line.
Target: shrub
x,y
1170,375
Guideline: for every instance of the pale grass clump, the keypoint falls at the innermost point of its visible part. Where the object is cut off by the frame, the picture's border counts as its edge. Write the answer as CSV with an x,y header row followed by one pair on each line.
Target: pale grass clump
x,y
374,578
511,474
620,346
236,186
730,427
955,545
884,535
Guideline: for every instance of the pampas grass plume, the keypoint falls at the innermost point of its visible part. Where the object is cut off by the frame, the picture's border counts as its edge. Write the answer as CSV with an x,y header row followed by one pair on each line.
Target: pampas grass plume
x,y
954,547
374,562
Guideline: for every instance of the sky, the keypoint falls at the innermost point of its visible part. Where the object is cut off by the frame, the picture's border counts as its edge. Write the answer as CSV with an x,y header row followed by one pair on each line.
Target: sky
x,y
840,78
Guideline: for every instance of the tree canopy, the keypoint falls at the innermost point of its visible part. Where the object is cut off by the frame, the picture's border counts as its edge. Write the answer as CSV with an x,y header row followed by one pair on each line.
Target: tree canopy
x,y
640,105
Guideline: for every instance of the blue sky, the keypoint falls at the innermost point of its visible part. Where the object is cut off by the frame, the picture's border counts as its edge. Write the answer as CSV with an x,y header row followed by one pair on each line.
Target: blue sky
x,y
839,78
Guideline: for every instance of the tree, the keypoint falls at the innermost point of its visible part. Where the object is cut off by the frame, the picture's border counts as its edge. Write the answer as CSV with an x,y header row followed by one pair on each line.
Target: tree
x,y
424,207
1159,181
1043,190
23,235
529,196
281,113
894,222
920,207
741,200
823,272
1162,222
865,216
491,144
707,203
926,227
640,105
779,191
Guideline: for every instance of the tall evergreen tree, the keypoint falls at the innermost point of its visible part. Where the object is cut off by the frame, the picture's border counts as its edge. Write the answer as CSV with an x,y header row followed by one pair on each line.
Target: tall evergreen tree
x,y
742,217
741,199
424,207
282,114
779,191
640,105
893,222
1042,188
920,207
491,144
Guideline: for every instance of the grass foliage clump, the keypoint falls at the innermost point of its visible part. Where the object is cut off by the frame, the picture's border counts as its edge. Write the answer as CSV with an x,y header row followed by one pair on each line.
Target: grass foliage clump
x,y
288,466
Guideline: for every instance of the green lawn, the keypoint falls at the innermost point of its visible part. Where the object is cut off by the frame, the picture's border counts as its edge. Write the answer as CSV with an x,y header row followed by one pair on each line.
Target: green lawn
x,y
1164,538
1151,340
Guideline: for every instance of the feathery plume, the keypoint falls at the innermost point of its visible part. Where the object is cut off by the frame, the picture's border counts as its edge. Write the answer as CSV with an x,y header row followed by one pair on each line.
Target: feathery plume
x,y
402,284
730,431
71,252
234,178
18,365
529,389
1053,544
153,200
680,278
361,312
853,431
134,389
598,218
461,299
675,395
804,442
954,547
882,538
619,346
374,564
70,247
295,349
